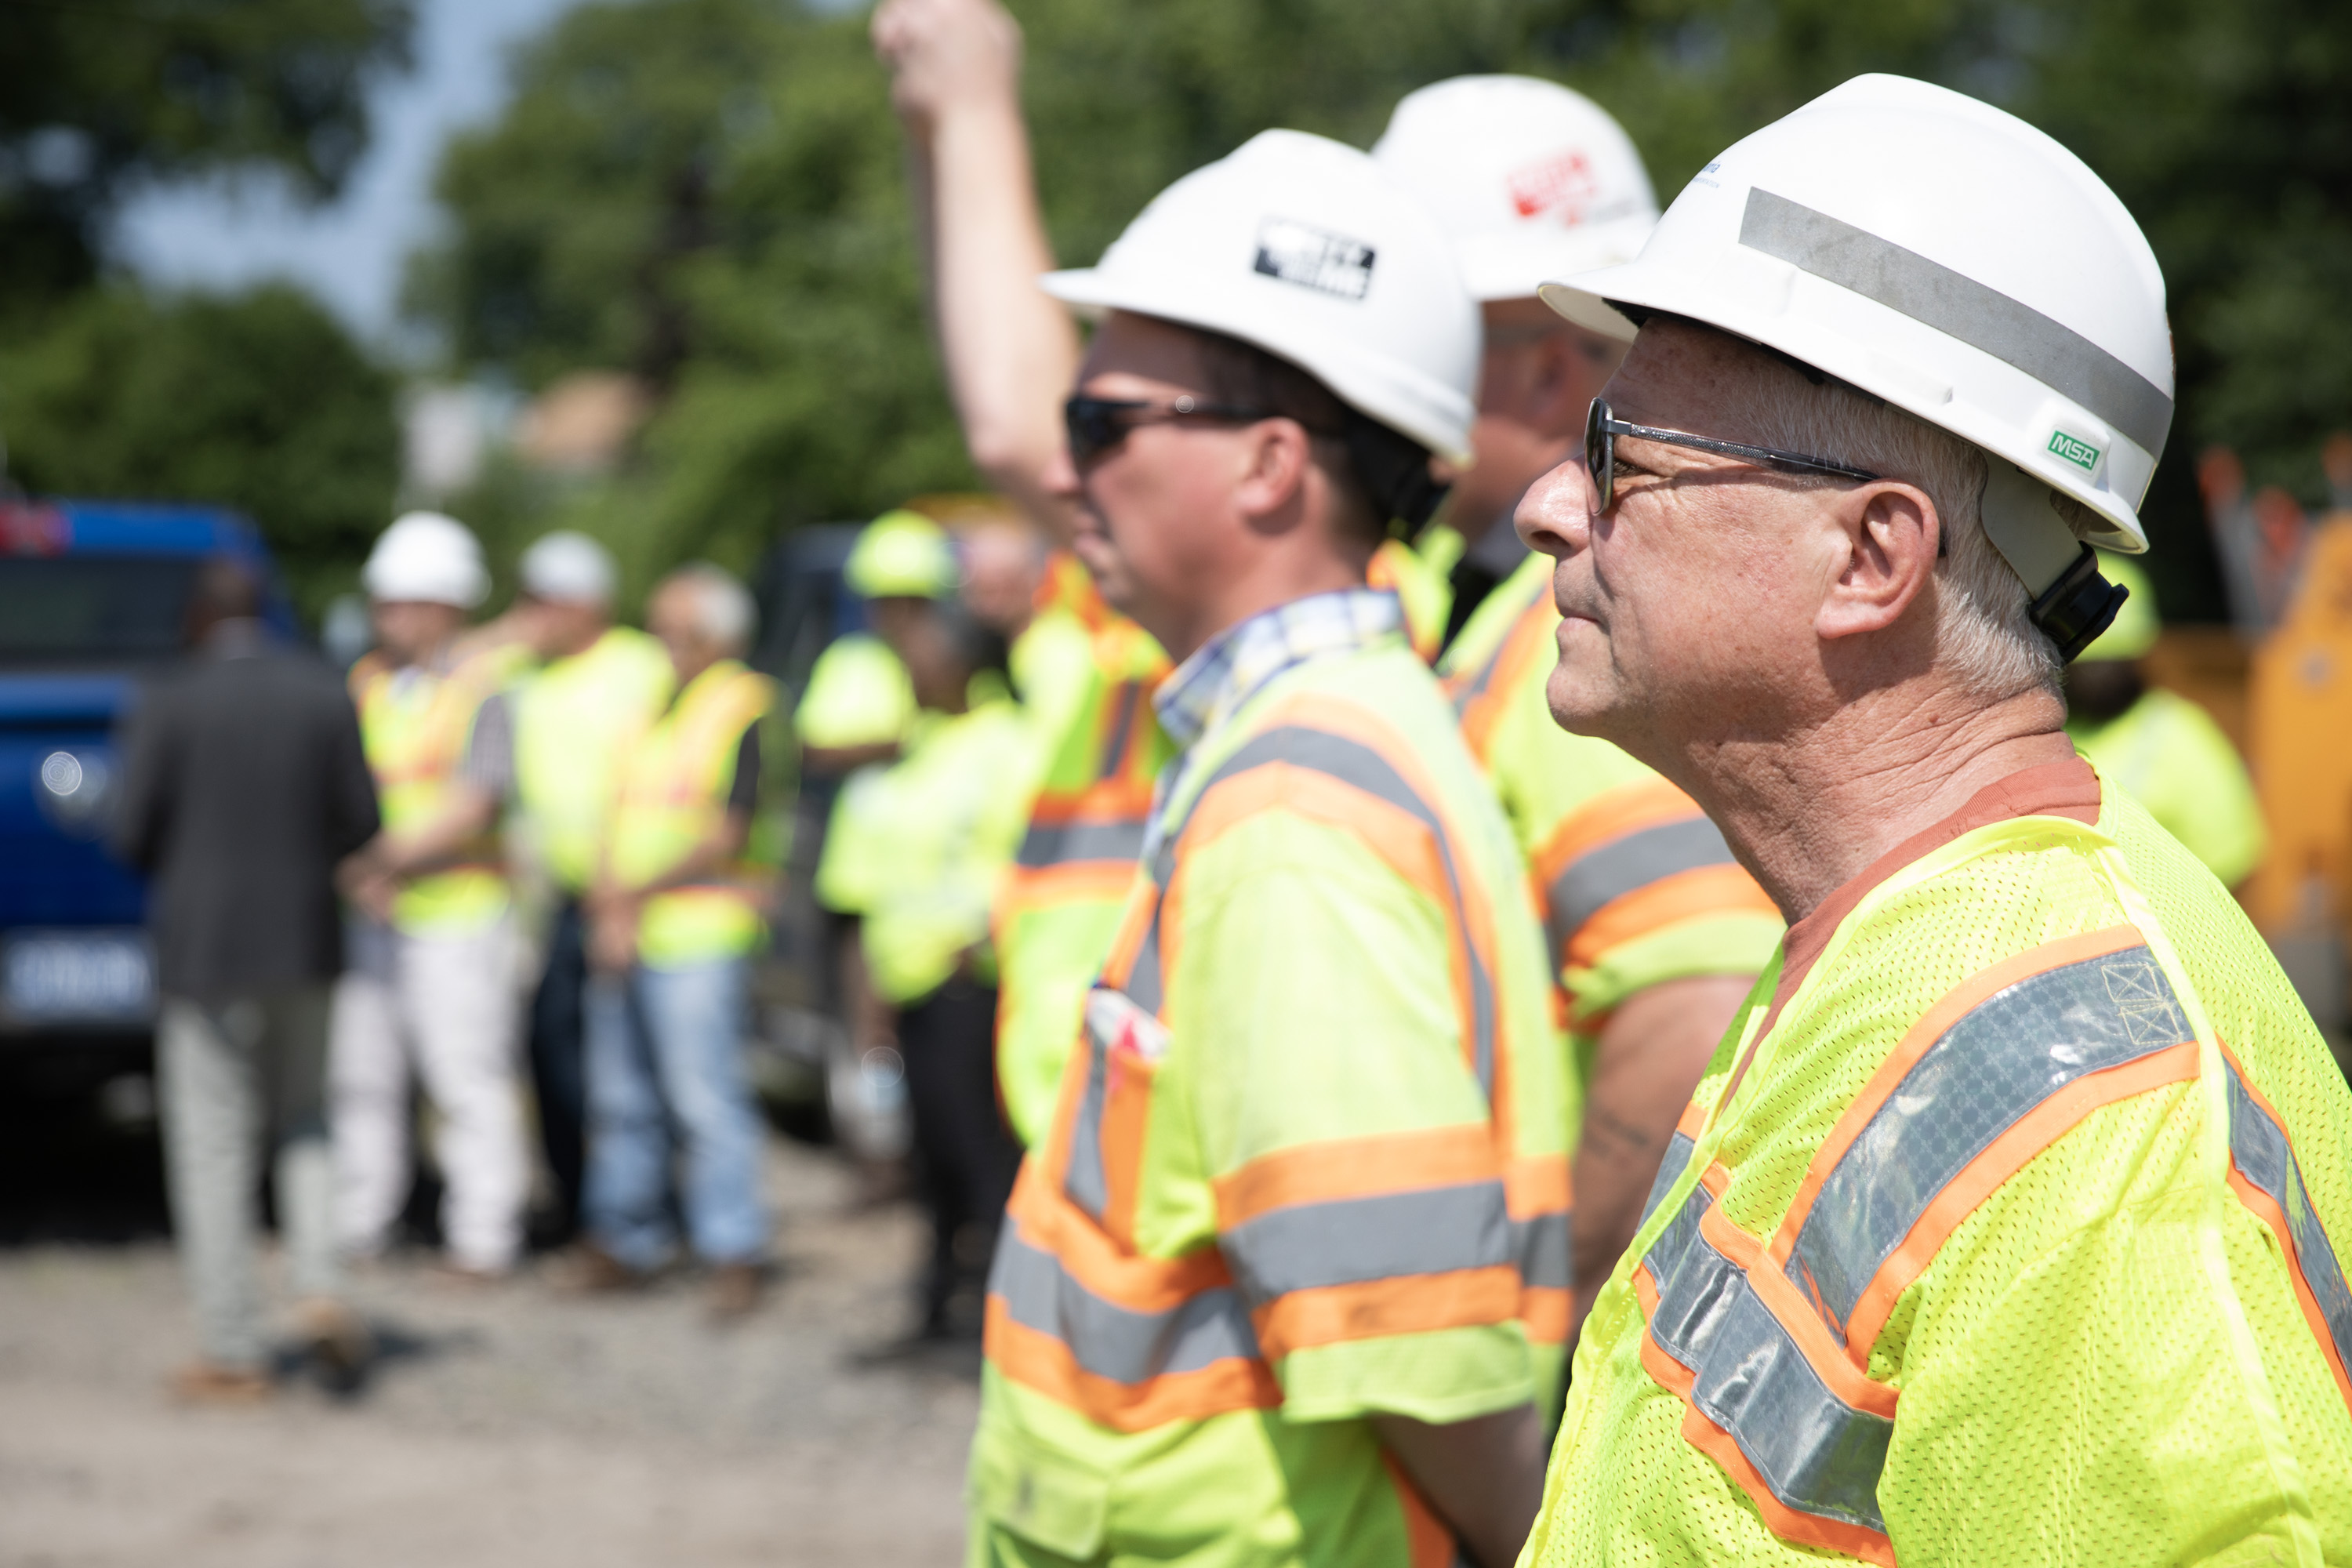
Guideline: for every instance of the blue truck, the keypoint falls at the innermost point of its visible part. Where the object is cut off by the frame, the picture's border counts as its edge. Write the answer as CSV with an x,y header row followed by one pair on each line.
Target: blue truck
x,y
92,595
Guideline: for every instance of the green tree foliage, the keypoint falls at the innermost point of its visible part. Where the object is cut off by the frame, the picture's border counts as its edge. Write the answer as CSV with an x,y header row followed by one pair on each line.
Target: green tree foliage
x,y
95,95
260,402
708,192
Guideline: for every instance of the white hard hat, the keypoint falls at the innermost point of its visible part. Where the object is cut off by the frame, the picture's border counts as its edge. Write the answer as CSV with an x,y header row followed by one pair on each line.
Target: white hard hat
x,y
1532,182
1304,248
567,567
1953,260
428,557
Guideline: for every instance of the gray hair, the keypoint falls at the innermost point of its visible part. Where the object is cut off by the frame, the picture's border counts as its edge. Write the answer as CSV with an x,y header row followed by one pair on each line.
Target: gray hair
x,y
1984,633
724,610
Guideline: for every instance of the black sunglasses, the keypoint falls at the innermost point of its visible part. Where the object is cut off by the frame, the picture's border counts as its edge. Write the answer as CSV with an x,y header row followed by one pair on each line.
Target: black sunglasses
x,y
1096,425
1602,430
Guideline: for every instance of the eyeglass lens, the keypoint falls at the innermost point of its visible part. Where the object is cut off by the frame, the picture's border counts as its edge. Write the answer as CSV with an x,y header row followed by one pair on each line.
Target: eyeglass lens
x,y
1600,453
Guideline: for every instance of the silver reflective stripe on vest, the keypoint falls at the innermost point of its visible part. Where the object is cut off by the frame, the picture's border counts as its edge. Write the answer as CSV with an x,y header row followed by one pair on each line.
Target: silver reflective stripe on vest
x,y
1347,1241
1544,1247
1818,1454
1063,843
2008,1054
1466,695
1127,699
1083,1177
2259,1147
1670,1170
1110,1341
1601,875
1357,766
1935,296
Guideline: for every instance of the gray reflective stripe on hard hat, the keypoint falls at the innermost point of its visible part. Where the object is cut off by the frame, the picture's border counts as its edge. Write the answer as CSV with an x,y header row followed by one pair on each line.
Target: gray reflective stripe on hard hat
x,y
1049,843
1543,1245
1350,1241
1606,873
2259,1147
1819,1455
1360,767
1670,1170
1108,1340
2003,1058
1934,295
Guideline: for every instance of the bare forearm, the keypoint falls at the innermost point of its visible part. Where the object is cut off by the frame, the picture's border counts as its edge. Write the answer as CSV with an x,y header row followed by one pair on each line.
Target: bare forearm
x,y
1483,1476
710,859
1651,1055
435,845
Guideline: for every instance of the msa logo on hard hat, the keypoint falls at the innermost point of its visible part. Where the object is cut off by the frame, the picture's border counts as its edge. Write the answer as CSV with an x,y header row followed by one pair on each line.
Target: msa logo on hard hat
x,y
1564,181
2080,452
1314,258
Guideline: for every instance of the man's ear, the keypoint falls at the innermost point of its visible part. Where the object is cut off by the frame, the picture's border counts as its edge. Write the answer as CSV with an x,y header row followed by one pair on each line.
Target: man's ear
x,y
1271,494
1892,533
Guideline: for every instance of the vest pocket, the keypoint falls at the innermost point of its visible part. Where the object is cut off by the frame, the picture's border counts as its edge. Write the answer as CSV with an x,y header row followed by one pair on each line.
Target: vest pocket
x,y
1043,1497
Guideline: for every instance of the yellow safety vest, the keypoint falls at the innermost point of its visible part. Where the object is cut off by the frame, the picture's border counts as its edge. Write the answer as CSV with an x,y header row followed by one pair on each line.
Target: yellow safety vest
x,y
574,719
672,797
415,724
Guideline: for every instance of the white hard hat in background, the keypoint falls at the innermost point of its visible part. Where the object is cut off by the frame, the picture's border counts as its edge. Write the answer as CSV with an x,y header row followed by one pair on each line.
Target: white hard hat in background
x,y
1960,264
1530,180
567,567
429,556
1304,248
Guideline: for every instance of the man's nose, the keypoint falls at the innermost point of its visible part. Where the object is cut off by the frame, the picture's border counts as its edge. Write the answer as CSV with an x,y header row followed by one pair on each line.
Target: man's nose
x,y
1554,516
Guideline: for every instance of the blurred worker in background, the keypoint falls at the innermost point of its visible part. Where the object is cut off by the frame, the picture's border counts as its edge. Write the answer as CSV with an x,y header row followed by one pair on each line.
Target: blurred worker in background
x,y
914,857
1010,353
1655,933
859,703
432,977
677,912
243,784
1238,1252
575,718
2008,1225
2157,745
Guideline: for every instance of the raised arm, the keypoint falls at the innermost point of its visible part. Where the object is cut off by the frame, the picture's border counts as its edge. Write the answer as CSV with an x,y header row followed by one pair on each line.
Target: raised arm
x,y
1009,350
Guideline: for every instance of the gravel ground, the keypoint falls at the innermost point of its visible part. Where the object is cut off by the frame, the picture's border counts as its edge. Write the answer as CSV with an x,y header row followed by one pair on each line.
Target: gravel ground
x,y
509,1425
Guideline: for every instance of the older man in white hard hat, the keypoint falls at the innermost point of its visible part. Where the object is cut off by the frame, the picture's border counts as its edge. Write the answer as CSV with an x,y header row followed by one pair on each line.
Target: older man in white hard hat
x,y
1655,933
2008,1224
597,691
431,985
1265,1291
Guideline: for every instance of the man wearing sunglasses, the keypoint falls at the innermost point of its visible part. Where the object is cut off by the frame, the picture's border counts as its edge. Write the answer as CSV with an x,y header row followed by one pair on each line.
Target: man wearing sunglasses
x,y
2010,1223
1655,931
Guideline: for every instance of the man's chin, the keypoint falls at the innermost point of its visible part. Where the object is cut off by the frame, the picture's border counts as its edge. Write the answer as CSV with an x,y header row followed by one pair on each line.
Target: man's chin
x,y
1581,703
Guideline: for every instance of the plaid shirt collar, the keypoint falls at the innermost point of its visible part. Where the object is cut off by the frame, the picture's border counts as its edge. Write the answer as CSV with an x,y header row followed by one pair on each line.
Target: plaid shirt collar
x,y
1233,666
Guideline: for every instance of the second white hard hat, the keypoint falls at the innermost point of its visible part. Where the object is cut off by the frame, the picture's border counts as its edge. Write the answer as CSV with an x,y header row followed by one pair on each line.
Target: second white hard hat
x,y
1530,180
1306,248
426,556
1950,259
567,567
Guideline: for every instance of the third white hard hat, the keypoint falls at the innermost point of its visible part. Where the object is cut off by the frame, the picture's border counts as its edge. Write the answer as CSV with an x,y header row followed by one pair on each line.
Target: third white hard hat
x,y
1306,248
1955,261
426,556
567,567
1530,180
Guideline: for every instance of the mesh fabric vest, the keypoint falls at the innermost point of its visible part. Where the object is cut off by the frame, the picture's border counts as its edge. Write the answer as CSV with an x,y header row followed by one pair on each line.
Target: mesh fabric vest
x,y
415,724
574,721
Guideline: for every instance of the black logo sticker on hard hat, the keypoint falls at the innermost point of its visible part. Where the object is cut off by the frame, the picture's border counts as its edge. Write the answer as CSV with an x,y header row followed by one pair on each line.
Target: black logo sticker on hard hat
x,y
1314,258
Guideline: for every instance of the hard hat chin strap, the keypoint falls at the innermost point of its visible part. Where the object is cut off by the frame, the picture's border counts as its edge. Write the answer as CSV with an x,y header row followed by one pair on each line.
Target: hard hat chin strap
x,y
1394,470
2072,603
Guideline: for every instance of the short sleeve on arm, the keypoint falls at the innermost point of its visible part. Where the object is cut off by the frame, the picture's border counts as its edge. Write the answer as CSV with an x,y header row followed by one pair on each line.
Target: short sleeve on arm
x,y
490,761
744,790
1343,1131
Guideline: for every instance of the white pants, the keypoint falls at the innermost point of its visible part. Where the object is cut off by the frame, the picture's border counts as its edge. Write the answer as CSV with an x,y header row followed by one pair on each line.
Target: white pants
x,y
447,1005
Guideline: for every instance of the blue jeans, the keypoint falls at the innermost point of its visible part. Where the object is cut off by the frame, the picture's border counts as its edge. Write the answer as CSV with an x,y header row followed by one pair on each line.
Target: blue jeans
x,y
665,1066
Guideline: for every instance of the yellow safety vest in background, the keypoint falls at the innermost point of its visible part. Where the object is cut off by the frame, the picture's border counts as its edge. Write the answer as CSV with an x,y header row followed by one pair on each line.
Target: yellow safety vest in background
x,y
574,719
2167,752
858,695
1059,909
673,795
2010,1230
415,724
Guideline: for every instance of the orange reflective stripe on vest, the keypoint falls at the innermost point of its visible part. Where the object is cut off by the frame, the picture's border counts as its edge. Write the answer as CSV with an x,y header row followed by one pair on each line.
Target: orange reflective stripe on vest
x,y
1337,1240
1769,1344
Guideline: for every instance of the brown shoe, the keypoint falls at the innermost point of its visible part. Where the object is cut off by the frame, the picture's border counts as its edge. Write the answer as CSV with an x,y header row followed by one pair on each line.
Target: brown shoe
x,y
336,1341
588,1271
208,1383
734,1291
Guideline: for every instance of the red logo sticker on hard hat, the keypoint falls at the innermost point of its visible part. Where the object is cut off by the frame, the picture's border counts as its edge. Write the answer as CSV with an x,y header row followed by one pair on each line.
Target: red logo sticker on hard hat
x,y
1314,258
1560,184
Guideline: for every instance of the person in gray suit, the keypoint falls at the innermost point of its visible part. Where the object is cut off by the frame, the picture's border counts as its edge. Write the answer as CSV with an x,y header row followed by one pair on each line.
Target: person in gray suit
x,y
244,786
